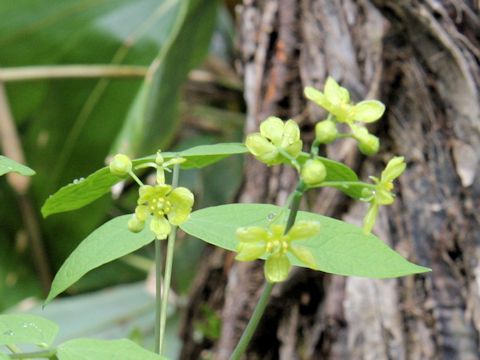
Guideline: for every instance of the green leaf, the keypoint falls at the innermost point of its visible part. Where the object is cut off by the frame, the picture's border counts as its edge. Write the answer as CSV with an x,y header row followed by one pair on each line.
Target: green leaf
x,y
110,241
84,191
368,111
27,329
339,248
204,155
8,165
88,349
80,192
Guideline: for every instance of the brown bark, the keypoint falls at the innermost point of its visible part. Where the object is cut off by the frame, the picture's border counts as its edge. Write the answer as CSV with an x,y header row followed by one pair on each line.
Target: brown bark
x,y
421,58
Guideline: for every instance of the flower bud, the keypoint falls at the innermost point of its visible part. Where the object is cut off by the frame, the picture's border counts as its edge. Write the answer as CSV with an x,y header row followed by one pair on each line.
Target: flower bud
x,y
120,165
326,131
313,172
159,158
135,225
369,145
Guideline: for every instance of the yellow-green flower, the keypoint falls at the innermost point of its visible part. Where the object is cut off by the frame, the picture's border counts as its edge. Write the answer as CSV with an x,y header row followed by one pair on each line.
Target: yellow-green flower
x,y
275,140
382,194
272,243
167,207
336,100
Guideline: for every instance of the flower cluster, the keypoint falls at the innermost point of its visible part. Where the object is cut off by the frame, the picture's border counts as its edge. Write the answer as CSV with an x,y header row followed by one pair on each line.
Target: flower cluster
x,y
274,245
336,100
277,141
382,193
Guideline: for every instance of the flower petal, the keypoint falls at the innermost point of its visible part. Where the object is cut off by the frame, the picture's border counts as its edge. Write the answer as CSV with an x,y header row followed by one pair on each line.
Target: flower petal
x,y
178,215
318,98
304,255
295,148
334,93
383,197
252,234
277,268
162,190
160,227
142,212
291,133
144,193
304,229
248,251
395,167
261,148
272,128
368,111
181,197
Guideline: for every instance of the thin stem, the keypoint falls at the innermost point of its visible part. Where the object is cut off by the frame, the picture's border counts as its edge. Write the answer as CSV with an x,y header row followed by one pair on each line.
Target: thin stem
x,y
29,73
314,149
253,323
46,354
168,269
134,177
158,292
297,198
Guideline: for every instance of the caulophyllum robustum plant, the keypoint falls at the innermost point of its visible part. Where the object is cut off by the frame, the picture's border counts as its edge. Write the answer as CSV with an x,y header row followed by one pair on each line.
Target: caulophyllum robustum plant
x,y
282,236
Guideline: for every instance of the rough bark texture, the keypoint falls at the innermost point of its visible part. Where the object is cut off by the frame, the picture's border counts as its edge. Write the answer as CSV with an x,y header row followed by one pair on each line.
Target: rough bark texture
x,y
421,58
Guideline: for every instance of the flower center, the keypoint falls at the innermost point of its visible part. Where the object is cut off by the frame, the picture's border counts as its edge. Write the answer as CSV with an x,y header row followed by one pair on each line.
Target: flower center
x,y
277,246
159,207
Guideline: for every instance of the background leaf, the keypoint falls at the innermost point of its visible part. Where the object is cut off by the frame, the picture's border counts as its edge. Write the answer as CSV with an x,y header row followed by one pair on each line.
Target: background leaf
x,y
340,248
87,349
67,127
110,241
8,165
27,329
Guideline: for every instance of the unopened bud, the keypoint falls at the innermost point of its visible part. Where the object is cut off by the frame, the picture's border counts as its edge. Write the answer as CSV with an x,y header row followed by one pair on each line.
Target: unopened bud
x,y
326,131
369,145
313,172
135,225
120,165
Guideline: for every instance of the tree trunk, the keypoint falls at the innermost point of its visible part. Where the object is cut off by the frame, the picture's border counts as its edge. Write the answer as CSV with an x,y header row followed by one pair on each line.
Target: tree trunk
x,y
421,58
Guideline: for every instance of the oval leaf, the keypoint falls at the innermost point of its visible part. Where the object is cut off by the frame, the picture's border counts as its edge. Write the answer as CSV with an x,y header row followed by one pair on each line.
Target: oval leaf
x,y
340,248
110,241
27,329
8,165
87,349
84,191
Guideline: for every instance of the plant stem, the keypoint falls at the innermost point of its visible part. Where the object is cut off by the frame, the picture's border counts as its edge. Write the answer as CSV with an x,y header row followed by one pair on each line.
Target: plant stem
x,y
46,354
135,177
267,288
158,292
168,271
29,73
297,198
253,323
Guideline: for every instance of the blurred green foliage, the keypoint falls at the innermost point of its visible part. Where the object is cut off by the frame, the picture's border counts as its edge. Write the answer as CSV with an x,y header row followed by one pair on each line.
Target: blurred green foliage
x,y
68,127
